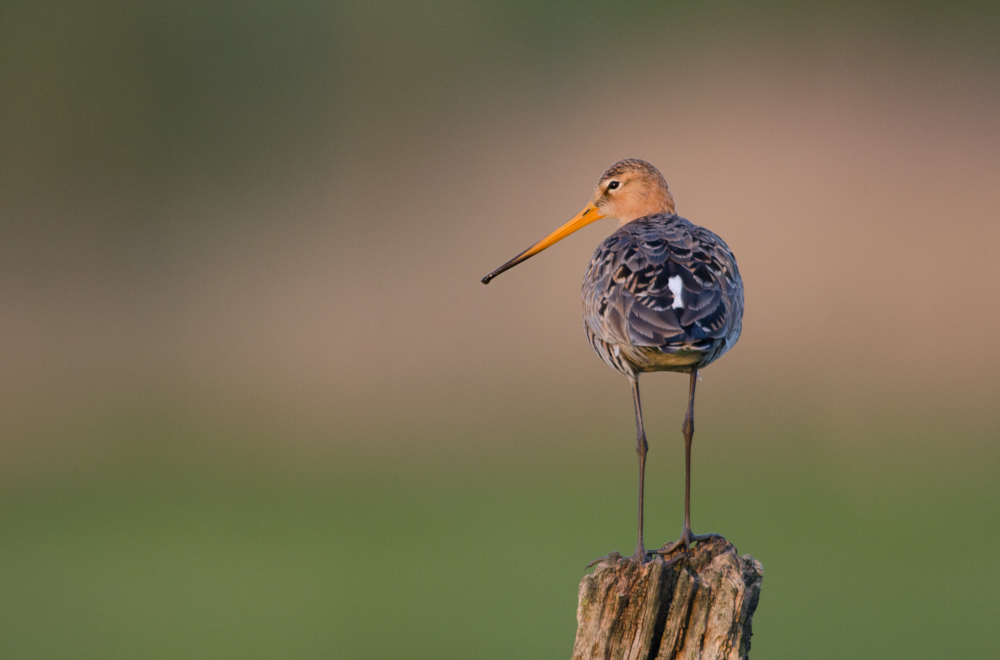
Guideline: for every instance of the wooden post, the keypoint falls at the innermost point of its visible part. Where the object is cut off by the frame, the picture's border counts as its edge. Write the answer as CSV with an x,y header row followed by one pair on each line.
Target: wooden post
x,y
698,605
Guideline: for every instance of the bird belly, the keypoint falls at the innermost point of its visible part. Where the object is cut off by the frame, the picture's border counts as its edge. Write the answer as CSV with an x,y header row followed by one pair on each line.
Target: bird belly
x,y
632,360
647,358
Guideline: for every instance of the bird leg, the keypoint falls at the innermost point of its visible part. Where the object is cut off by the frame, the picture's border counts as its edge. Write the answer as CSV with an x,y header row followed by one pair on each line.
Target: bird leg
x,y
687,538
641,446
640,449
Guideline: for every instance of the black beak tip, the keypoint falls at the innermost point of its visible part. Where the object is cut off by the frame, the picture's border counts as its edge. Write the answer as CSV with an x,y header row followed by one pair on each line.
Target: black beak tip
x,y
486,280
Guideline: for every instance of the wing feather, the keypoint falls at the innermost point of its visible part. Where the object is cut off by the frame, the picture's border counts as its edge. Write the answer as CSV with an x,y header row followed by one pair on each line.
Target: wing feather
x,y
629,288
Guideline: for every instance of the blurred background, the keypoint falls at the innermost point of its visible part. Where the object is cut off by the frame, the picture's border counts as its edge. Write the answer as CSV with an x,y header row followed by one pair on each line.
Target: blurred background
x,y
255,403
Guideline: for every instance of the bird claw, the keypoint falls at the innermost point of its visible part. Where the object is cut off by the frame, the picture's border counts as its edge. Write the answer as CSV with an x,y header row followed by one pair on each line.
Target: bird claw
x,y
605,558
685,541
640,556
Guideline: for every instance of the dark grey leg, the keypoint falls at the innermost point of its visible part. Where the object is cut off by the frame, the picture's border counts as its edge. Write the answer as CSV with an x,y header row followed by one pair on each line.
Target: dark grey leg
x,y
687,538
640,449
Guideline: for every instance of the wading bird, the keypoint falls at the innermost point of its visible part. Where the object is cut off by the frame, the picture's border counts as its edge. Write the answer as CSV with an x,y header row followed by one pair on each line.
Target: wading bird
x,y
660,294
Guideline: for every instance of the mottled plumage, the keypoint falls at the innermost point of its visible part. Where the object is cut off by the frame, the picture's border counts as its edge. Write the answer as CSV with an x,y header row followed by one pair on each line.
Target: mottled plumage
x,y
632,317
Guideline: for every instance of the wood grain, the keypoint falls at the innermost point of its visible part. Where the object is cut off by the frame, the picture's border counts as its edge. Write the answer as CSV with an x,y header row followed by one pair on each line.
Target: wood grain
x,y
684,606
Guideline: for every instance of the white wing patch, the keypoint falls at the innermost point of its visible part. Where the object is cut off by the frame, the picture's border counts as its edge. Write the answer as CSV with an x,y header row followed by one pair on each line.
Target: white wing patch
x,y
676,288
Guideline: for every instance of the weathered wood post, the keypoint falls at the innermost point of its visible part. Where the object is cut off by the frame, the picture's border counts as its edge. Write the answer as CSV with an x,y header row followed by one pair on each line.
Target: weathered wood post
x,y
699,605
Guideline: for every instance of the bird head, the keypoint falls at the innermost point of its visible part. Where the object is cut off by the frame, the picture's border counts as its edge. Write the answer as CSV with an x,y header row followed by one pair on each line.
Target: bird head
x,y
628,190
632,189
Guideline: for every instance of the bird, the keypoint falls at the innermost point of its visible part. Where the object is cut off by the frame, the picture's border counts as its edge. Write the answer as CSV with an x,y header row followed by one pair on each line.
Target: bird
x,y
660,294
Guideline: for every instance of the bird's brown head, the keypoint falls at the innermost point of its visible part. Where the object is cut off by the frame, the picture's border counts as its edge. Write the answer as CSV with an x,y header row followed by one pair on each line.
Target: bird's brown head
x,y
630,189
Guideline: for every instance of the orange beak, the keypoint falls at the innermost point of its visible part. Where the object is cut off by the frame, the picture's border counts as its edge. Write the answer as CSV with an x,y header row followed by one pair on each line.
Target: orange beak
x,y
581,219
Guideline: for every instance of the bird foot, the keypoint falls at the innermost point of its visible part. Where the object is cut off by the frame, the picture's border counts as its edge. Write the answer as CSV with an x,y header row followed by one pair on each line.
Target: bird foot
x,y
685,541
640,556
613,557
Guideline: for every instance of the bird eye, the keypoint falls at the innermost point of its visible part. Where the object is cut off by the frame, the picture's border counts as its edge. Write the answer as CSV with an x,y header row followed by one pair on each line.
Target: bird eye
x,y
612,185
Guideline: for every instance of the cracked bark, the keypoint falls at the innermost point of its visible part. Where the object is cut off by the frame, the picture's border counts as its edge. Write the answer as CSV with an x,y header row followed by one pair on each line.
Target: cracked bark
x,y
698,606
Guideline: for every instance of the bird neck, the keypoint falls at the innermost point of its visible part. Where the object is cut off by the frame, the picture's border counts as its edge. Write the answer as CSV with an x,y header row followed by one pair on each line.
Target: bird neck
x,y
657,200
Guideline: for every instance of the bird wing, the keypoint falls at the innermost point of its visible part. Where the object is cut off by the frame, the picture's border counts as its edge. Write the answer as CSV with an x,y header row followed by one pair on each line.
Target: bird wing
x,y
663,282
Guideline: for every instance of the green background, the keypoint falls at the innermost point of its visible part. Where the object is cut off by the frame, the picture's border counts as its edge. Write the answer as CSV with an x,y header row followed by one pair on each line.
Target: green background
x,y
254,402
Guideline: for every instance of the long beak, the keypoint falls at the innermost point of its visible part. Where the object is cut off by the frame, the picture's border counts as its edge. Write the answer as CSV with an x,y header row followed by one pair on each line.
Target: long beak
x,y
581,219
